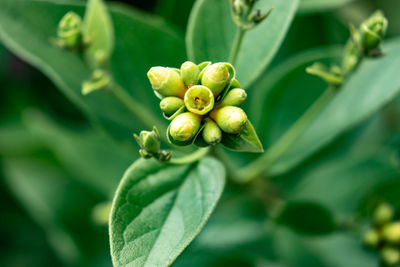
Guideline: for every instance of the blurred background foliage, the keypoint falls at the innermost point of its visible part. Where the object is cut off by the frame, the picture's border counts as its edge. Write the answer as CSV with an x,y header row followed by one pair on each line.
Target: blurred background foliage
x,y
56,168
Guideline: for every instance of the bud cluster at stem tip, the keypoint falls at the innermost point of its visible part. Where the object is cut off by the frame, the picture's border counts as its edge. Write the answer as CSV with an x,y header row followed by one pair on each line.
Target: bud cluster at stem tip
x,y
202,101
384,236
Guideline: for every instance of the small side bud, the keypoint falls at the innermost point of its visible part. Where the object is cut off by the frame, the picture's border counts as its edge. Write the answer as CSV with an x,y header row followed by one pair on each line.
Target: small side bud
x,y
230,119
383,214
185,126
149,142
199,99
216,77
169,105
391,233
212,133
70,30
371,238
99,80
372,31
166,81
190,73
390,255
235,97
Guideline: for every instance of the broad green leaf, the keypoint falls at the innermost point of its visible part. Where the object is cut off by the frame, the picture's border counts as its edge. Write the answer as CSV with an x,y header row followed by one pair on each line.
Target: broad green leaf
x,y
211,32
169,9
369,89
246,141
134,34
307,217
159,209
98,31
311,6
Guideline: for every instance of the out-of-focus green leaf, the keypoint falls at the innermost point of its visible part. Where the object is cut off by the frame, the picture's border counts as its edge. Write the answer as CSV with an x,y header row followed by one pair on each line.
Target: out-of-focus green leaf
x,y
307,218
159,209
98,31
313,6
211,32
176,11
358,99
136,34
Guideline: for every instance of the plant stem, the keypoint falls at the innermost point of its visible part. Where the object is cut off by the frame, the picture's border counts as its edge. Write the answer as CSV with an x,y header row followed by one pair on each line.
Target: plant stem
x,y
236,45
264,162
136,108
195,156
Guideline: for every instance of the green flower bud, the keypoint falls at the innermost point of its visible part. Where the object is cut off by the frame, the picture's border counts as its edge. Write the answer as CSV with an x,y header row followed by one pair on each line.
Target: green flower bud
x,y
216,77
230,119
383,214
149,141
373,30
211,133
185,126
166,81
391,233
199,99
234,97
371,238
169,105
70,30
190,73
390,255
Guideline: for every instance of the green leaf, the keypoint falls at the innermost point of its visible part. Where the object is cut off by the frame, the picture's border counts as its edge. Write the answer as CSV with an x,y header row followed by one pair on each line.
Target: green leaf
x,y
307,218
211,32
130,61
369,89
159,209
313,6
246,141
98,31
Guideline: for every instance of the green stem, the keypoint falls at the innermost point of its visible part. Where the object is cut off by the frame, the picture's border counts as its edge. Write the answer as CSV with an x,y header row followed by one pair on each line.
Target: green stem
x,y
263,163
236,45
195,156
136,108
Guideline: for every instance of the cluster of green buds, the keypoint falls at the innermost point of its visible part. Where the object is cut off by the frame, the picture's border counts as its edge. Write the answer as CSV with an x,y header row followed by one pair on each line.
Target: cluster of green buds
x,y
149,143
69,32
384,236
202,101
244,16
364,42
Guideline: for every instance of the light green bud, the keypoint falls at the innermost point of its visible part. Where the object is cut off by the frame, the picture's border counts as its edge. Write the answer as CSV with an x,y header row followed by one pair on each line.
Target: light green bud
x,y
230,119
70,30
373,30
391,233
211,133
383,214
185,126
216,77
371,238
148,141
199,100
169,105
234,97
390,255
190,73
166,81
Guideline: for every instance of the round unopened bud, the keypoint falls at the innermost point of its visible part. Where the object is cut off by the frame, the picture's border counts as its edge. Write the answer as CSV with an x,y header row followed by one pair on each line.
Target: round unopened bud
x,y
390,255
371,238
169,105
211,133
190,73
185,126
150,141
383,214
166,81
391,233
230,119
234,97
70,30
373,30
199,99
216,77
